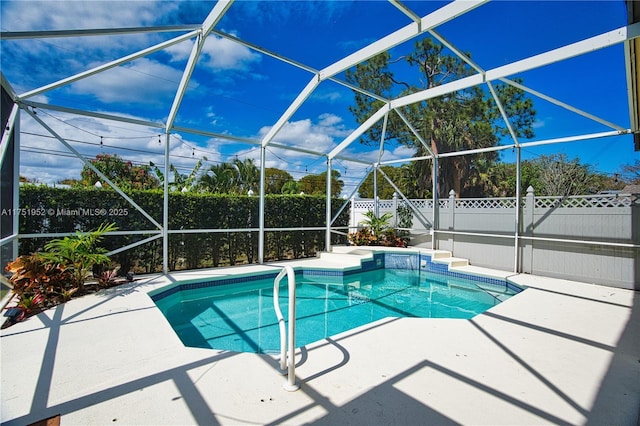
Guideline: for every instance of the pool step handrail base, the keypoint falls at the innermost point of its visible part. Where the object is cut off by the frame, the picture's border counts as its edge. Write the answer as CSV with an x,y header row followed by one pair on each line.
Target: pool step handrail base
x,y
287,357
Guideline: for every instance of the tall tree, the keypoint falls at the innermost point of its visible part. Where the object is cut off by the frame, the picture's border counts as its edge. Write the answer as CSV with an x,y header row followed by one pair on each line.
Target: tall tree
x,y
275,179
630,173
559,176
317,184
466,119
121,172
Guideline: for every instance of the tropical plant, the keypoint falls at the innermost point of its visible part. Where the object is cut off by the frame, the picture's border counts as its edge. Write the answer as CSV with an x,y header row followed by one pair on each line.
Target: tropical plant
x,y
378,225
78,254
181,182
376,232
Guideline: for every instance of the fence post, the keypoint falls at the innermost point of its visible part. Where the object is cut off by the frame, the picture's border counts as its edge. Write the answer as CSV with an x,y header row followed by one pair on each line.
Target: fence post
x,y
452,217
395,210
527,246
353,226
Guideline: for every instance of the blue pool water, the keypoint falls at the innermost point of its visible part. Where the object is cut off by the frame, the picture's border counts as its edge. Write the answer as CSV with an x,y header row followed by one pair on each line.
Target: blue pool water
x,y
241,317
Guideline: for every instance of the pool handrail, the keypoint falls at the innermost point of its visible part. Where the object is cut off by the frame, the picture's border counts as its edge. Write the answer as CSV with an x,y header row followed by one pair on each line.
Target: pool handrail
x,y
290,385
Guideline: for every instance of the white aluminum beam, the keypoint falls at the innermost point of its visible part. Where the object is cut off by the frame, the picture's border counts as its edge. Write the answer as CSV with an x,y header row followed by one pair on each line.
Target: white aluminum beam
x,y
414,131
631,71
132,245
7,131
108,65
100,115
562,104
382,136
359,131
476,151
418,213
456,51
293,107
296,64
404,9
503,113
406,160
7,86
594,43
212,19
440,16
434,92
575,138
569,51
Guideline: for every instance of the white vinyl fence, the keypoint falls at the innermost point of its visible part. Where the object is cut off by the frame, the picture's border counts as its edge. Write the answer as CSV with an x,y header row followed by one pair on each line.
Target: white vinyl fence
x,y
591,238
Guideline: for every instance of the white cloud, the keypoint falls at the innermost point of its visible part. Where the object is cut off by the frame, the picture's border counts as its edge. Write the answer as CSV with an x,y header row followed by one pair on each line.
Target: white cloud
x,y
46,159
320,136
57,15
134,83
218,54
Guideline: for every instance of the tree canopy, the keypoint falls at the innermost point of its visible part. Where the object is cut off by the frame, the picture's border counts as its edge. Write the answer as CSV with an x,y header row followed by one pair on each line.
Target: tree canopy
x,y
121,172
317,184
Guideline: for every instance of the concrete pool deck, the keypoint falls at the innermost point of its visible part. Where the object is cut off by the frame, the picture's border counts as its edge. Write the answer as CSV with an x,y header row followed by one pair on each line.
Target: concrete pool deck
x,y
560,352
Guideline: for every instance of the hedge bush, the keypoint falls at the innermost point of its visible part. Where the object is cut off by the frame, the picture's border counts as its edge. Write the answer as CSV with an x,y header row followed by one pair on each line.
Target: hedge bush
x,y
61,210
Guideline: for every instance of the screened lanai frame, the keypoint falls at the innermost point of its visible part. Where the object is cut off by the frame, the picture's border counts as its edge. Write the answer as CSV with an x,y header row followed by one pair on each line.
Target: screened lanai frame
x,y
418,26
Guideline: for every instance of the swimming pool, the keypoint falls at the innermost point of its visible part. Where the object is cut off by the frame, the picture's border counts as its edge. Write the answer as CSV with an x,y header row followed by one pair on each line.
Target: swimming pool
x,y
239,316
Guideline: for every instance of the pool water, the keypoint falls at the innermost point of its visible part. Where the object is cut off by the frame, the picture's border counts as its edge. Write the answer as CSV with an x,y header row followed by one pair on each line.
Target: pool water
x,y
242,318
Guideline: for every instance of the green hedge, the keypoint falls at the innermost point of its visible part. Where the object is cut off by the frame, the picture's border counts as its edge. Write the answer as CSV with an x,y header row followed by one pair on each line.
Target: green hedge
x,y
53,210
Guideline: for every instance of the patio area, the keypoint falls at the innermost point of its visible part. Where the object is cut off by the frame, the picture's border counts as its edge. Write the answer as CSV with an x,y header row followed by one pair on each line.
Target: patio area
x,y
560,352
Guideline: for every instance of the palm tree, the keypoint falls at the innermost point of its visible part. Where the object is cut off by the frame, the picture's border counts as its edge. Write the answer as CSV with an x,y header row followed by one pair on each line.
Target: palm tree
x,y
248,175
220,179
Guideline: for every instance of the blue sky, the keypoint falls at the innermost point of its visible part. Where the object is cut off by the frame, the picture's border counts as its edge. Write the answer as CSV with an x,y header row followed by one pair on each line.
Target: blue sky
x,y
240,92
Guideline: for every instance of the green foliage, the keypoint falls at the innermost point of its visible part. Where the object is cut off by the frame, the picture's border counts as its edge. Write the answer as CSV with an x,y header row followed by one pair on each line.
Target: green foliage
x,y
376,232
291,187
317,184
401,177
181,182
50,277
78,254
122,173
378,225
275,179
237,177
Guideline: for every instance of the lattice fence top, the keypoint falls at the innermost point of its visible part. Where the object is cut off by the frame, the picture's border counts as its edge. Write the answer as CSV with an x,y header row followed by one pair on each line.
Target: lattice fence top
x,y
578,201
485,203
388,204
598,200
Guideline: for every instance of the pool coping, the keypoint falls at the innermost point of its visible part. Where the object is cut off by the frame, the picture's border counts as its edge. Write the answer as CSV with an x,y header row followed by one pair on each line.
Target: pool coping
x,y
560,352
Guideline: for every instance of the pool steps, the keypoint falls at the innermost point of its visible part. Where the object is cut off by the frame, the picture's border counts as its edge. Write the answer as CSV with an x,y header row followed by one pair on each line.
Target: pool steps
x,y
437,256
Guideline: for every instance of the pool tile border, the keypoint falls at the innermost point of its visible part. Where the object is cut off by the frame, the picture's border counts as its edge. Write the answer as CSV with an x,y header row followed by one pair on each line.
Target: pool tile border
x,y
379,260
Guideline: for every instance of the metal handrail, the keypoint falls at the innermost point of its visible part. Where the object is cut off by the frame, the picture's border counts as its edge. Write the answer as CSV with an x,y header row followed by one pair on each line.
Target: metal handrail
x,y
290,385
